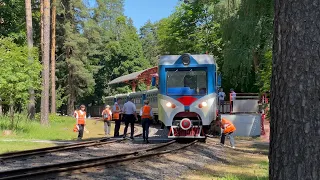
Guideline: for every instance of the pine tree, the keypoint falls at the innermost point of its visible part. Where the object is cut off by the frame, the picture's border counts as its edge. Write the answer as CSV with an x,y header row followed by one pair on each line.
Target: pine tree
x,y
75,70
31,105
46,62
53,58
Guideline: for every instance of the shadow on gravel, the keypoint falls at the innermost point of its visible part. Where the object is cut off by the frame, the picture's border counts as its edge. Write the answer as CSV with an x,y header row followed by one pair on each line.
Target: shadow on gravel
x,y
170,166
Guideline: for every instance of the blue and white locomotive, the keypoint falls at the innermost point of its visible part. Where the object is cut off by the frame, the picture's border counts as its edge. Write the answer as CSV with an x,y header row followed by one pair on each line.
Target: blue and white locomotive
x,y
186,98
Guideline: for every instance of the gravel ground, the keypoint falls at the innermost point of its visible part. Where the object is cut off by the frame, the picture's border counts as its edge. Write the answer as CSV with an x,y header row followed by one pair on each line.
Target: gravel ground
x,y
168,166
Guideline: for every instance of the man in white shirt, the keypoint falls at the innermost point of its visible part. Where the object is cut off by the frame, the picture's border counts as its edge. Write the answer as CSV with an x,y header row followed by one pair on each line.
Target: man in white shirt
x,y
129,111
221,96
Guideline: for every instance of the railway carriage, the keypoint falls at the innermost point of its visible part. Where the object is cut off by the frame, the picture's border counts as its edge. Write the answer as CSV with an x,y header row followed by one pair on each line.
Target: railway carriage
x,y
186,101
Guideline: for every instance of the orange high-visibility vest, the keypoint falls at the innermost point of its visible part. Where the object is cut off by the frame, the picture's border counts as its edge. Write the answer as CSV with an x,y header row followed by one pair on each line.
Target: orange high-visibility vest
x,y
228,126
116,115
107,111
146,112
81,118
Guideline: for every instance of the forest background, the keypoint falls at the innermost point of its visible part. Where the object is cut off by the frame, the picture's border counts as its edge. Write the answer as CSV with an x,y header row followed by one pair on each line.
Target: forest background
x,y
94,45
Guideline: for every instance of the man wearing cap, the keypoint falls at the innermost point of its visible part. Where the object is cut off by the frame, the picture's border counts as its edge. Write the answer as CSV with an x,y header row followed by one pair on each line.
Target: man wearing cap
x,y
107,116
130,115
146,118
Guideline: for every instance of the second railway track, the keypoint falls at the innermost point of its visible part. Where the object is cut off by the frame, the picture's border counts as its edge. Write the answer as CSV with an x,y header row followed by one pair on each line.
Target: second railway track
x,y
21,154
86,163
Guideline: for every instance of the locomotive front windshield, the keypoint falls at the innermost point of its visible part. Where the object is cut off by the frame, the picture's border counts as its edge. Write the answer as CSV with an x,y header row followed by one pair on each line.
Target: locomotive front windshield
x,y
186,82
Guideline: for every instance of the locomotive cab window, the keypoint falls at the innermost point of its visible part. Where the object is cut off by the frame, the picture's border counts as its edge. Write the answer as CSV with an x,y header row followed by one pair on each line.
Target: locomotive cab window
x,y
186,82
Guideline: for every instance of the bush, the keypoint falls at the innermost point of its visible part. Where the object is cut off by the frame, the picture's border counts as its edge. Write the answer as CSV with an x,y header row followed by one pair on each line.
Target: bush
x,y
21,123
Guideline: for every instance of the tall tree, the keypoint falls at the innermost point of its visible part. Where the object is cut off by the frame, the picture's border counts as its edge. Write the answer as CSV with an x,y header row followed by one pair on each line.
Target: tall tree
x,y
45,62
31,106
149,40
53,58
295,93
76,70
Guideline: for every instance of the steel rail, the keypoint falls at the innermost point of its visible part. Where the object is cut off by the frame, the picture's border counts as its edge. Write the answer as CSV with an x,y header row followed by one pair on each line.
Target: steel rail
x,y
73,165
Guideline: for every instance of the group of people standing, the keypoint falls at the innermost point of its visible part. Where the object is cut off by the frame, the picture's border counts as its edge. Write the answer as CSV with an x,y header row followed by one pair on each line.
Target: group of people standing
x,y
129,116
222,96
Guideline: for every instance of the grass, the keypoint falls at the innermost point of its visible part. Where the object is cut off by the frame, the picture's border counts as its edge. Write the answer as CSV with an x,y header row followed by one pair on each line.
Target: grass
x,y
244,163
60,128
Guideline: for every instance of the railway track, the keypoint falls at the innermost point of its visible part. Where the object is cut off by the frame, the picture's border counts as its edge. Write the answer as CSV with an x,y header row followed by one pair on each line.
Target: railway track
x,y
92,162
85,144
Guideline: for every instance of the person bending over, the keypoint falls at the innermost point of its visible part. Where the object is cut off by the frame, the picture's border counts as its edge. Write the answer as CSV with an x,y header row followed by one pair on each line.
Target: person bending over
x,y
228,130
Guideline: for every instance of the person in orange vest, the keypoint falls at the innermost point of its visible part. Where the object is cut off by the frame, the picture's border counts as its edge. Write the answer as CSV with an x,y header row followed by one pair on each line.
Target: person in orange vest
x,y
107,117
146,118
228,130
80,115
116,110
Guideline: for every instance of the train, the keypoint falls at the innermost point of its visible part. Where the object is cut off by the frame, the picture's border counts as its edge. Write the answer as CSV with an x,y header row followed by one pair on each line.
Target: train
x,y
185,97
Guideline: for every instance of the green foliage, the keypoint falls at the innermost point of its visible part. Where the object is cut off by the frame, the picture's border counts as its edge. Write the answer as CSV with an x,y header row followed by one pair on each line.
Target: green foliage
x,y
149,40
247,35
17,73
114,46
192,28
265,73
13,20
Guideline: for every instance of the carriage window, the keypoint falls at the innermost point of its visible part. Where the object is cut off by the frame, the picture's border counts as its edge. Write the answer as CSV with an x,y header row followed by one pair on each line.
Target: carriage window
x,y
187,82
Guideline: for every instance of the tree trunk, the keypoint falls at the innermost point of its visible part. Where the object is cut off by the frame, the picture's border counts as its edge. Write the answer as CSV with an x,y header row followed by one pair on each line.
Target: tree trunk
x,y
31,105
255,60
0,107
41,39
72,95
41,26
11,110
53,60
295,92
71,101
45,62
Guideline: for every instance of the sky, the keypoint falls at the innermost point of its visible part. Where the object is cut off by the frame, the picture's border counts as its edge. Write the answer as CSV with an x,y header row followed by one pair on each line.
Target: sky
x,y
140,11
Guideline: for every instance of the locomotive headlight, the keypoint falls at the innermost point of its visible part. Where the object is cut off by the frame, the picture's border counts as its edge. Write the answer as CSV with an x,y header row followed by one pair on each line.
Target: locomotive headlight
x,y
204,104
185,59
169,104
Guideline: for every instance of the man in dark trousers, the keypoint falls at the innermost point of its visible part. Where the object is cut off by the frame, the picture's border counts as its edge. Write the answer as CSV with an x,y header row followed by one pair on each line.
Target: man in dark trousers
x,y
116,117
146,118
129,111
81,116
